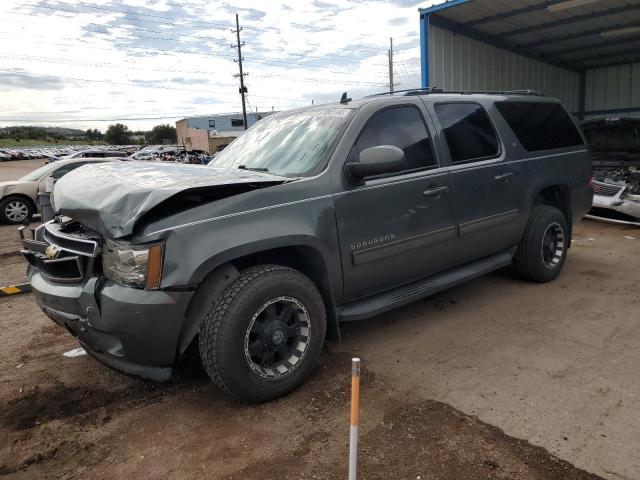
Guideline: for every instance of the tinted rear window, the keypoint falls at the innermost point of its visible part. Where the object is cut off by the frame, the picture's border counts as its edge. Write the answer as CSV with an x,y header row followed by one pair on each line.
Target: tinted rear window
x,y
468,130
540,126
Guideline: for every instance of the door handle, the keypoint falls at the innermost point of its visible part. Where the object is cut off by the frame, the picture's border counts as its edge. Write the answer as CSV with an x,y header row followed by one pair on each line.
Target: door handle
x,y
503,176
433,192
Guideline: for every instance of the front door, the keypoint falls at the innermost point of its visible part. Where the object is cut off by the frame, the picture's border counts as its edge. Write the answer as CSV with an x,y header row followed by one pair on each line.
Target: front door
x,y
397,228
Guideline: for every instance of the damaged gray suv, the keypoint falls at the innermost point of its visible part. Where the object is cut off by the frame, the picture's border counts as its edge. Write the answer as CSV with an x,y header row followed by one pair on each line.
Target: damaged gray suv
x,y
312,217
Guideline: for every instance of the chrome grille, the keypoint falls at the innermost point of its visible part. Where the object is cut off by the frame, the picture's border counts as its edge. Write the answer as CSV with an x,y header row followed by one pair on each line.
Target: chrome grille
x,y
71,244
606,189
62,269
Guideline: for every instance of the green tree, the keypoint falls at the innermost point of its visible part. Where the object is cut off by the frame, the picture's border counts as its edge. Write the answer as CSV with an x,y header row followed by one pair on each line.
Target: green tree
x,y
94,134
161,134
118,134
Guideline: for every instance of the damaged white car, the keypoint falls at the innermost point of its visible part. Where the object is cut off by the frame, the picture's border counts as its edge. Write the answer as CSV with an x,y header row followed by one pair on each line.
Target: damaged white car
x,y
615,146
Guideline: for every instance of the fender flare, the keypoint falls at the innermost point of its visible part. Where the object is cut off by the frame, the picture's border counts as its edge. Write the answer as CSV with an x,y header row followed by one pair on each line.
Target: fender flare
x,y
214,284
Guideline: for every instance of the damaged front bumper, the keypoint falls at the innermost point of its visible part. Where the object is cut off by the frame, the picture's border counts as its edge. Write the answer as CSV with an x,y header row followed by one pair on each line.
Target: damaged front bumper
x,y
613,197
131,330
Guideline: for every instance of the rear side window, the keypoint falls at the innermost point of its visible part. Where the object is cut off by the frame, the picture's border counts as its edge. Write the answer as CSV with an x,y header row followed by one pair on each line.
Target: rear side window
x,y
402,127
540,126
468,131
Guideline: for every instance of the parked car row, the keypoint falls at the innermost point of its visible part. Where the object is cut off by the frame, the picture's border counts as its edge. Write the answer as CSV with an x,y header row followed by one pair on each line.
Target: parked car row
x,y
19,198
172,153
167,153
61,151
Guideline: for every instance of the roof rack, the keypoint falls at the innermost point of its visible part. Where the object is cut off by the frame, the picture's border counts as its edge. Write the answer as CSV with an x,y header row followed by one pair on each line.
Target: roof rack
x,y
436,90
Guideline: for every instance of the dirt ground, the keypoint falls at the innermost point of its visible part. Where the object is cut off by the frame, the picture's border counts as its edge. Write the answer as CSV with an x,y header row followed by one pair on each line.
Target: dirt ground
x,y
16,169
555,366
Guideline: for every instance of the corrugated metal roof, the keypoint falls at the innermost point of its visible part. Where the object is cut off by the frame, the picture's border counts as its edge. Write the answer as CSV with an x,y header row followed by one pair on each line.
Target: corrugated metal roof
x,y
576,34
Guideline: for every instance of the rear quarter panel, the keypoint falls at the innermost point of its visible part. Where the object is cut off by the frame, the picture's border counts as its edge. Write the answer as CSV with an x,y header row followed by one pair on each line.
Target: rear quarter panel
x,y
570,167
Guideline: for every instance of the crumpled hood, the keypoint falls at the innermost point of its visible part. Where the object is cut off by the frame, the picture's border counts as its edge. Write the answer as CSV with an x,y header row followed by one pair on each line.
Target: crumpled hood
x,y
110,197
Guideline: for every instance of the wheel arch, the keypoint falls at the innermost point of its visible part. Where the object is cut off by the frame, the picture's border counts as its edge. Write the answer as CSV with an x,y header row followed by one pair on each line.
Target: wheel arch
x,y
304,258
22,196
558,196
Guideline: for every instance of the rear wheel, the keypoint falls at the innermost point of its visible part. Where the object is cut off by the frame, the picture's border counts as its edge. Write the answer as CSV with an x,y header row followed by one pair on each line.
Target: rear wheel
x,y
264,334
543,249
15,210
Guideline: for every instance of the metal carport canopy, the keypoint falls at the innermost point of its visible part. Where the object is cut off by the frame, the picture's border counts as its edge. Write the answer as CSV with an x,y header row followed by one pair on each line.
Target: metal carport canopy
x,y
576,35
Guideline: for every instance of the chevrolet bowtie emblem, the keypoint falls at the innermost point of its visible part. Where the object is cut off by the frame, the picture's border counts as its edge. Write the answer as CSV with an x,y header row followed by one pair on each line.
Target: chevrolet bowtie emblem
x,y
51,252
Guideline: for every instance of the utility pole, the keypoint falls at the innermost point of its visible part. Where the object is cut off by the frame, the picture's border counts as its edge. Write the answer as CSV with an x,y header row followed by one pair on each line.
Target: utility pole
x,y
390,64
241,75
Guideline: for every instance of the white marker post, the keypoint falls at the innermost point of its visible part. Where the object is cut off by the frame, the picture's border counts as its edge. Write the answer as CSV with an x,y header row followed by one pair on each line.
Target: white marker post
x,y
355,413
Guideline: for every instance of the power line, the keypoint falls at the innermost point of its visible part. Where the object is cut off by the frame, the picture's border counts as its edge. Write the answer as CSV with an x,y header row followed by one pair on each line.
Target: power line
x,y
262,60
141,85
94,45
131,119
318,80
59,60
88,119
169,36
193,23
165,20
319,28
123,26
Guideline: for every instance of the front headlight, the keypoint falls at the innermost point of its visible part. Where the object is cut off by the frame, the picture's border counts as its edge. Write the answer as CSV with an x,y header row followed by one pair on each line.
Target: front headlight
x,y
134,265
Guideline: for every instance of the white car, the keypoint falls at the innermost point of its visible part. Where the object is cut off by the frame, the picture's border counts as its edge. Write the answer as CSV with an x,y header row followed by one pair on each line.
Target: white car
x,y
615,147
18,198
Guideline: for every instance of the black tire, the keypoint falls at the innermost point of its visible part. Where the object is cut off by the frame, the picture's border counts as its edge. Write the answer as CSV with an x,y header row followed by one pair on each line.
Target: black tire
x,y
10,207
543,249
224,333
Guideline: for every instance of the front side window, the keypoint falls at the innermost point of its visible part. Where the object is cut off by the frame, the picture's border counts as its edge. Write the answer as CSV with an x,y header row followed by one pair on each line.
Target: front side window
x,y
540,126
237,122
468,130
402,127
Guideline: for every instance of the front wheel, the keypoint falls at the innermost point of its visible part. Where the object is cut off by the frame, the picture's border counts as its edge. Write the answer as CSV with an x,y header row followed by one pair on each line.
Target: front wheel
x,y
543,249
264,334
15,210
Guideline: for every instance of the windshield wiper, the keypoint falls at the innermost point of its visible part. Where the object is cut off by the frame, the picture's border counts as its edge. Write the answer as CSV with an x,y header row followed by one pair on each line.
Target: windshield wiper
x,y
253,169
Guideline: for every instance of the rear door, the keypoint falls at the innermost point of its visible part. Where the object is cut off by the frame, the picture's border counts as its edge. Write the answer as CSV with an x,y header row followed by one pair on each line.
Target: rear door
x,y
395,228
485,186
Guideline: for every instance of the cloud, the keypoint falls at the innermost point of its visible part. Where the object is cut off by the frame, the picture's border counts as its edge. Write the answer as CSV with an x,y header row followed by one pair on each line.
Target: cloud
x,y
244,12
24,80
204,100
408,3
324,5
191,81
398,21
150,58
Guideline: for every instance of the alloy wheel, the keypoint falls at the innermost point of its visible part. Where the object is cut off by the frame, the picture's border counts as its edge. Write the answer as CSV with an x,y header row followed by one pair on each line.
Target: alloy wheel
x,y
552,245
16,211
277,338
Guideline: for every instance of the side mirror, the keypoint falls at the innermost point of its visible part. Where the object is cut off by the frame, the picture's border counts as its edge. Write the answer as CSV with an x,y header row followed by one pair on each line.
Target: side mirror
x,y
376,161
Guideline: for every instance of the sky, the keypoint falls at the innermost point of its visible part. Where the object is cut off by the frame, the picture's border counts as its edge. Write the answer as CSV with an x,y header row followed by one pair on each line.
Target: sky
x,y
87,64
